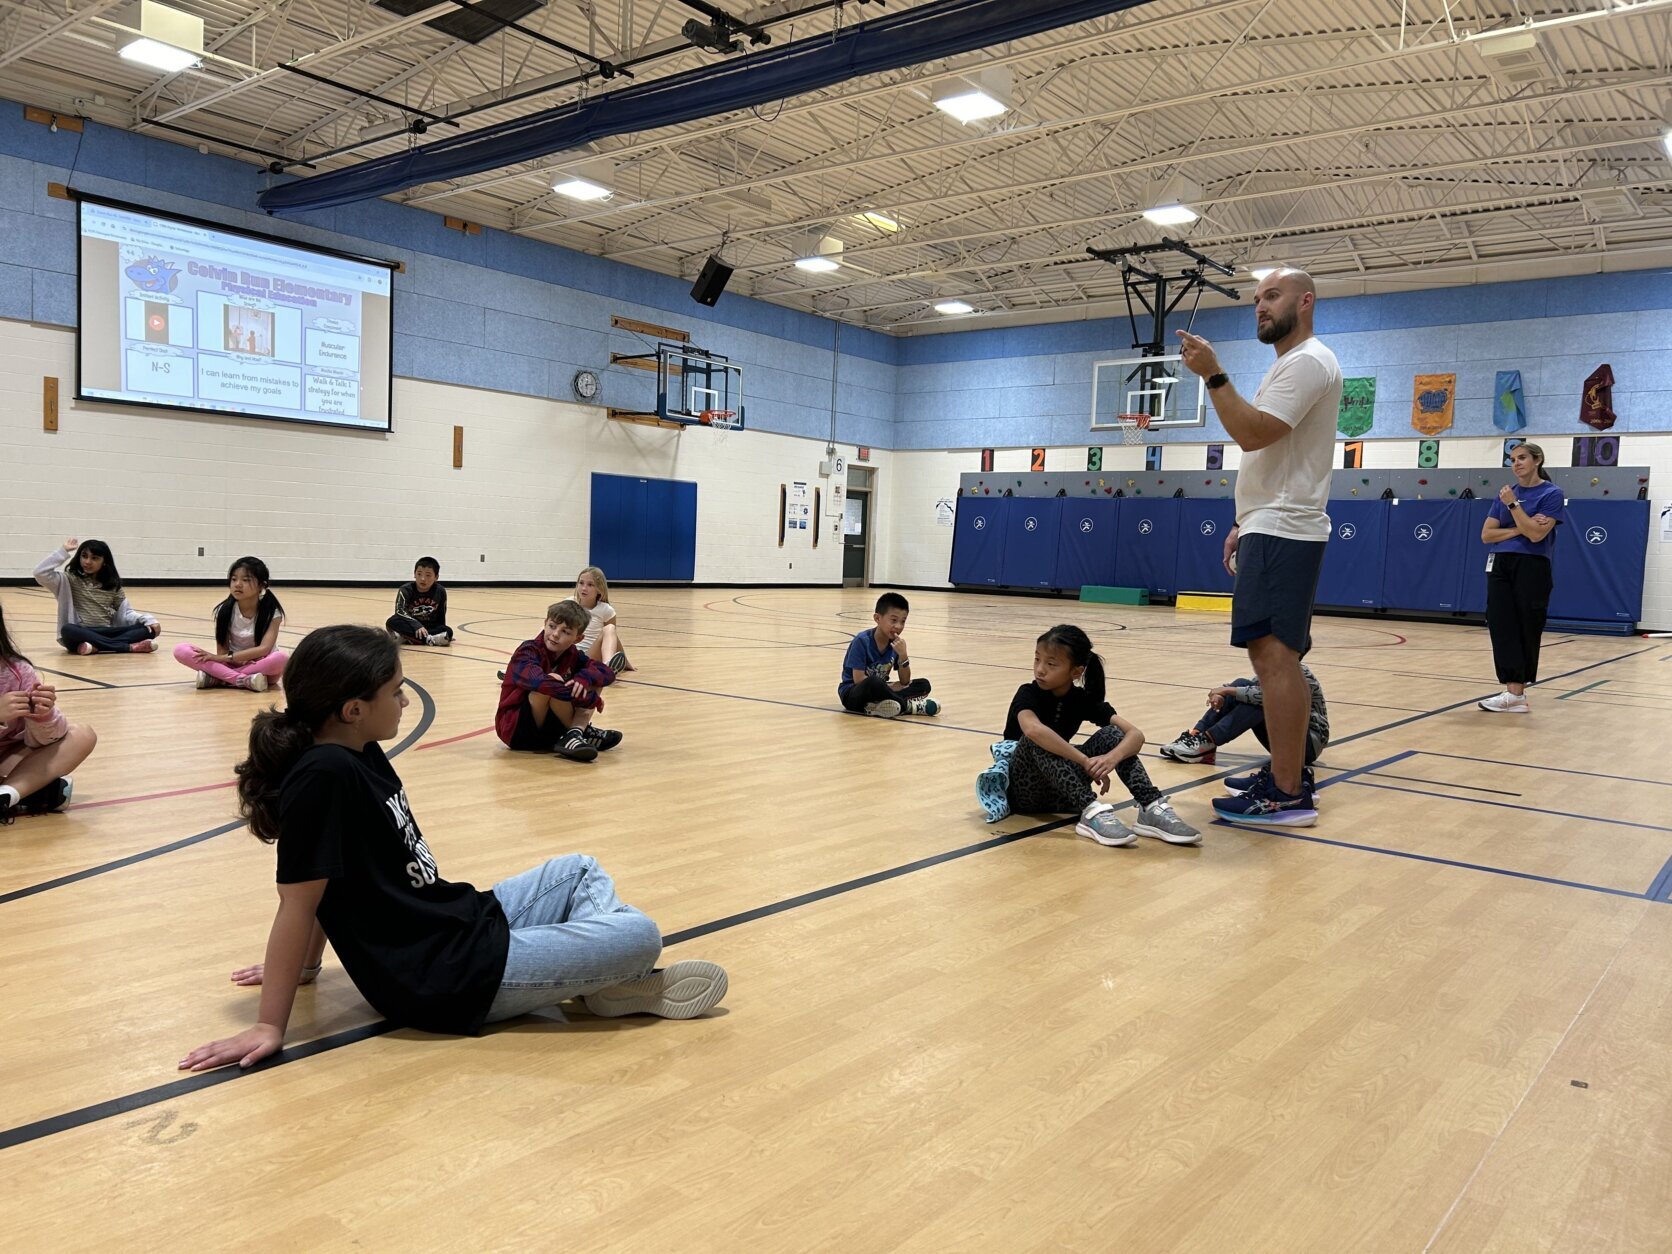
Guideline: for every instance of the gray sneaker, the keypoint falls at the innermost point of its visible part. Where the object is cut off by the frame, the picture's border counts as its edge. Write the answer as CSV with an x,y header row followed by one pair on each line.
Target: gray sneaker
x,y
1158,820
682,990
883,709
1099,822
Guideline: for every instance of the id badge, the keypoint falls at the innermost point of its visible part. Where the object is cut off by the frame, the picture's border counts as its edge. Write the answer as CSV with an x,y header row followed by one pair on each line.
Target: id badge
x,y
1490,557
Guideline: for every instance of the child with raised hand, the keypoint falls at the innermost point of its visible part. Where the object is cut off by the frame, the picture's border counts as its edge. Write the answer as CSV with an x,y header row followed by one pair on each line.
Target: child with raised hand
x,y
602,639
1047,773
39,747
354,869
246,634
420,615
93,611
874,655
549,693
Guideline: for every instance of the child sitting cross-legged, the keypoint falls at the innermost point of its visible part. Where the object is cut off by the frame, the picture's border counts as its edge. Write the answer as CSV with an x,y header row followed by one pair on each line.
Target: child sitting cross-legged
x,y
874,655
550,691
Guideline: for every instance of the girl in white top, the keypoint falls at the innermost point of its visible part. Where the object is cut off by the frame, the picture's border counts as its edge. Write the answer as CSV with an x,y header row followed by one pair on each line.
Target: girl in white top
x,y
246,634
602,640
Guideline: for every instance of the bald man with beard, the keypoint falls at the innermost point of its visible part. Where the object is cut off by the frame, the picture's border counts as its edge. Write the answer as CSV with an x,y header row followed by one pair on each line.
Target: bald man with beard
x,y
1276,549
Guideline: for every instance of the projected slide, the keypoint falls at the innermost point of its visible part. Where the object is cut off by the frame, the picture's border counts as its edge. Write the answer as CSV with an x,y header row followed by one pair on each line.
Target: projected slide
x,y
193,316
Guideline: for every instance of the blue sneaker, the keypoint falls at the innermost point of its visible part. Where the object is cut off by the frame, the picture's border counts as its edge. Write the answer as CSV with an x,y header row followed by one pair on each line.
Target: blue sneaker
x,y
1239,784
1264,805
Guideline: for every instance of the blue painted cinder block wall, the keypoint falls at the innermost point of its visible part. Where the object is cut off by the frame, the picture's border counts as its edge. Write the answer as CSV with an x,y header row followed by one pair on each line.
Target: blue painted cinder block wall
x,y
492,310
1032,385
515,314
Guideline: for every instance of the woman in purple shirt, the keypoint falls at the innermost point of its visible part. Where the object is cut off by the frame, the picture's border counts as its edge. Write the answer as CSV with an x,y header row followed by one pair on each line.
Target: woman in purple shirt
x,y
1521,530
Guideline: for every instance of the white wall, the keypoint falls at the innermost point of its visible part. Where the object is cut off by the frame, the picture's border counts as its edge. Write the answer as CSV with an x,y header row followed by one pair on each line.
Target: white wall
x,y
319,503
918,551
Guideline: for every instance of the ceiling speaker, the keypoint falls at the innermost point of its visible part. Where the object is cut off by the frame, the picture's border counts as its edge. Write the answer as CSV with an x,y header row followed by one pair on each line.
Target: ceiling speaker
x,y
711,282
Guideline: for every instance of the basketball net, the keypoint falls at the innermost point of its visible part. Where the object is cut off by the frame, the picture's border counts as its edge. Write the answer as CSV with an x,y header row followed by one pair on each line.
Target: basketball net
x,y
1130,431
721,421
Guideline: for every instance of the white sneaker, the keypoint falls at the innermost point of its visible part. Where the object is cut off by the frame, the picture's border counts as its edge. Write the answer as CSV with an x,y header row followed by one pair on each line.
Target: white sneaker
x,y
255,683
883,709
1505,703
682,990
1099,822
204,680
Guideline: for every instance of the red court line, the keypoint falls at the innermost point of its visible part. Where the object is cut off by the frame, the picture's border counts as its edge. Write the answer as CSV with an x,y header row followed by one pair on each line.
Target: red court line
x,y
150,796
436,744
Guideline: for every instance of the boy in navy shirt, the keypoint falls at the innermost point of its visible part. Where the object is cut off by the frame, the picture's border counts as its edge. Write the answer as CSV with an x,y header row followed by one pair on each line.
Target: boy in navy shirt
x,y
420,615
872,657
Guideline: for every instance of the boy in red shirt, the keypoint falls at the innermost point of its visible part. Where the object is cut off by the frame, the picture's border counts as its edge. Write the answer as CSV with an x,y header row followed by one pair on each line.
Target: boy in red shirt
x,y
549,691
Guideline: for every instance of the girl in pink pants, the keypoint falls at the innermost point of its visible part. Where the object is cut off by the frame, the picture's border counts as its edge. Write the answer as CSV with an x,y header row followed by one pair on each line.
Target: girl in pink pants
x,y
246,632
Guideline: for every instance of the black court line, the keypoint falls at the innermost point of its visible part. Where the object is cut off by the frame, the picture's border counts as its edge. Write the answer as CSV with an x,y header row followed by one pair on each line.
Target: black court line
x,y
1505,805
80,679
147,1097
1446,783
1534,766
75,877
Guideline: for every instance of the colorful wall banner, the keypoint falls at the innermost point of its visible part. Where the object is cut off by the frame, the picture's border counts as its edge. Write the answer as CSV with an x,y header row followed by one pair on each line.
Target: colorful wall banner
x,y
1596,406
1432,399
1358,406
1509,412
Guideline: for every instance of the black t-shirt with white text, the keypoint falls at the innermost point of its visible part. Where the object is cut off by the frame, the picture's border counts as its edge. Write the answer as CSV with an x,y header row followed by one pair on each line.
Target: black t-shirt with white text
x,y
424,952
1062,715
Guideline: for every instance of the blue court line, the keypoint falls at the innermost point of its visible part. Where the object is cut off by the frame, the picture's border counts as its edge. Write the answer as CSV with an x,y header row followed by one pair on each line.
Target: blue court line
x,y
1661,888
1575,692
1532,766
1447,783
1506,805
1451,862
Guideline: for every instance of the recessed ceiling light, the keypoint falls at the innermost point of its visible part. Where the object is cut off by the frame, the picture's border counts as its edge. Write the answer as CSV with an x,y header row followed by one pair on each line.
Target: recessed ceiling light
x,y
159,56
817,265
954,307
582,189
1170,215
970,106
169,40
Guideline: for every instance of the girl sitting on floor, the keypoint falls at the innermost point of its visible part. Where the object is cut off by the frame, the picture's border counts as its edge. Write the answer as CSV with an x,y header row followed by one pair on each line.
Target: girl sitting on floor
x,y
93,612
246,634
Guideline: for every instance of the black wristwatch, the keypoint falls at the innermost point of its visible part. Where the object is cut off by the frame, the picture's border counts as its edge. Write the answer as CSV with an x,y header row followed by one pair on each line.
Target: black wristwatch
x,y
1218,380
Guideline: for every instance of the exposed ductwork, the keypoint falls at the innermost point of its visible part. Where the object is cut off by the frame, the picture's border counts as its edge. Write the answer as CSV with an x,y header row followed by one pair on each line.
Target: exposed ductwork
x,y
926,33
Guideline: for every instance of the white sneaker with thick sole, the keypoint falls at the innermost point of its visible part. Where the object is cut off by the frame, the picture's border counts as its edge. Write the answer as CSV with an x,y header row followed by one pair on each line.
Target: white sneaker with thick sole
x,y
682,990
255,683
1505,703
1099,822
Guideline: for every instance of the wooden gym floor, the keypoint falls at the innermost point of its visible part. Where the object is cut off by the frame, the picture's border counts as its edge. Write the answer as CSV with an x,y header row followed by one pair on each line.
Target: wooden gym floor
x,y
1437,1020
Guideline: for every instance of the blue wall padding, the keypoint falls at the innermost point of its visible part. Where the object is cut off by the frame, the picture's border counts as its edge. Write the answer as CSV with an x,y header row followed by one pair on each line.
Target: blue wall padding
x,y
644,528
1086,543
1203,524
1357,553
1032,530
978,540
1148,549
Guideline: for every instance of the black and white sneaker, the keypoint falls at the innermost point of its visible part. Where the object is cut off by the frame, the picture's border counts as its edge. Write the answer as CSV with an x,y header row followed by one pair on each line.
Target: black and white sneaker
x,y
602,738
574,746
48,797
618,662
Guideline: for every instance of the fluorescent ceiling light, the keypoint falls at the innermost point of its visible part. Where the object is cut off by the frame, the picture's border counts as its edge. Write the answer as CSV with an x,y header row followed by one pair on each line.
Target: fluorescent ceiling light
x,y
1261,273
159,56
582,189
169,40
970,106
1170,215
879,220
817,265
954,307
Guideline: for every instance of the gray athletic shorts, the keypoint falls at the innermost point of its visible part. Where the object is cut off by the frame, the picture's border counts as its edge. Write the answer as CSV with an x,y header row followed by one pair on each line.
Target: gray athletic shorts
x,y
1276,582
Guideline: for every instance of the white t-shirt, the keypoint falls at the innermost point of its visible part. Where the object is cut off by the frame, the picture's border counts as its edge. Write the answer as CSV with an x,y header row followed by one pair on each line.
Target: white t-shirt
x,y
1283,489
600,614
240,631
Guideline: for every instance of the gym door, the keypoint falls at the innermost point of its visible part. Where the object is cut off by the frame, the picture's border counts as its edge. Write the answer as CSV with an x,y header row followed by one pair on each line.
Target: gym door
x,y
856,534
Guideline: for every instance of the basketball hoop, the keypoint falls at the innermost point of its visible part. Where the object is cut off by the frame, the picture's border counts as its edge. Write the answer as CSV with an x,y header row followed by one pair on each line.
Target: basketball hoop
x,y
719,419
1130,431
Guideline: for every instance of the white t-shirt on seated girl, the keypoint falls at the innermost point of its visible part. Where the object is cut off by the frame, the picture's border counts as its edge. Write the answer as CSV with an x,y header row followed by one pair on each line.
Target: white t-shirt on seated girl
x,y
240,631
600,614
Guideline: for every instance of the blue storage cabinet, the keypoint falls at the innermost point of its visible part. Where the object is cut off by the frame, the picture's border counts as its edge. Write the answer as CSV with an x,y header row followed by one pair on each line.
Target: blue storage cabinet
x,y
644,528
1146,555
1425,553
1031,536
1203,526
1598,566
1086,542
978,540
1356,555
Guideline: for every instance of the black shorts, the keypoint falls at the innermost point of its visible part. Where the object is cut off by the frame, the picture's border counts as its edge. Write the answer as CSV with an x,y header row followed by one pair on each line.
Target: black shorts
x,y
1277,580
531,734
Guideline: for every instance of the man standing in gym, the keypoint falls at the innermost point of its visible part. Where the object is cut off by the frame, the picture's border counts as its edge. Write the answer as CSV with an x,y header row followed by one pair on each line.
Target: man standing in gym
x,y
1276,549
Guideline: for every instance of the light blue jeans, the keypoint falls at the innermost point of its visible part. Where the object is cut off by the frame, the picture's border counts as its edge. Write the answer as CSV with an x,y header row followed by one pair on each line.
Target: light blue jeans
x,y
570,935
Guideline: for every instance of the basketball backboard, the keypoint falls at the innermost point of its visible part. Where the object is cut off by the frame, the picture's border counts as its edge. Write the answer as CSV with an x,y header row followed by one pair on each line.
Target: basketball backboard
x,y
698,387
1159,387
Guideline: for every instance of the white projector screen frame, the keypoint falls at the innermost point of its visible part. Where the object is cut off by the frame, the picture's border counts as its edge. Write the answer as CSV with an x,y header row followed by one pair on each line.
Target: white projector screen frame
x,y
229,322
